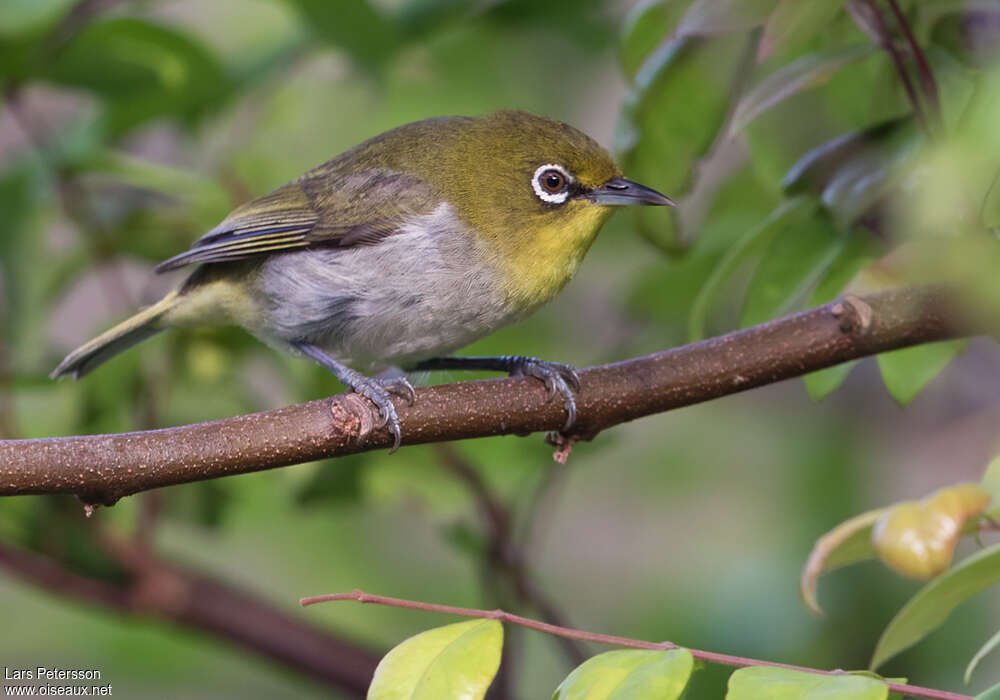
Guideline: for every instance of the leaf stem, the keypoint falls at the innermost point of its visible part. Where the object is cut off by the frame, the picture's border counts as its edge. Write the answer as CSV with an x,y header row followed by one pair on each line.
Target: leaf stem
x,y
927,80
503,616
885,40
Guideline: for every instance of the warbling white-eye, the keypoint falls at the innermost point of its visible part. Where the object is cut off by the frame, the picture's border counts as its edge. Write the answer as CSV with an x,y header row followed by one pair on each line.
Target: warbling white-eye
x,y
399,251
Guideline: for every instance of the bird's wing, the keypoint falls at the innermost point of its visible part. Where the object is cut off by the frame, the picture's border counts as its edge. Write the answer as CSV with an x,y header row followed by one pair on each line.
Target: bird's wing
x,y
322,208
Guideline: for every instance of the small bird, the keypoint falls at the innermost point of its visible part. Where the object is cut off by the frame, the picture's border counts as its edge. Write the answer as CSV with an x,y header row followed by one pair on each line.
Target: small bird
x,y
399,251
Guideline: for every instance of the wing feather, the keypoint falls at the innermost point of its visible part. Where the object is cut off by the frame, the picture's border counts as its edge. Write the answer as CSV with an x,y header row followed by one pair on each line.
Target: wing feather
x,y
322,208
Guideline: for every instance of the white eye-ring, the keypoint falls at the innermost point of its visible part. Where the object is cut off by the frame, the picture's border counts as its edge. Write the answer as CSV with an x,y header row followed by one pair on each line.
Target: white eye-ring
x,y
551,183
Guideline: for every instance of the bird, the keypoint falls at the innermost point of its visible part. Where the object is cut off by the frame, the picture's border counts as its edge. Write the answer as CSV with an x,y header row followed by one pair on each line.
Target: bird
x,y
400,251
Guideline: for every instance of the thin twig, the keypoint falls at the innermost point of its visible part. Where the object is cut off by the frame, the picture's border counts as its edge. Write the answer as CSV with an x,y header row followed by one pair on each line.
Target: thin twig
x,y
613,640
927,81
889,45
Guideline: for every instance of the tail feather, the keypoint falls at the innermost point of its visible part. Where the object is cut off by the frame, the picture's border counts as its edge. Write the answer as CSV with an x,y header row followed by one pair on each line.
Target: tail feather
x,y
129,332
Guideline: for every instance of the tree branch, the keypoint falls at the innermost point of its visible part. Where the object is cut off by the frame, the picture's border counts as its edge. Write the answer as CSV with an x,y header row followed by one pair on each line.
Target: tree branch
x,y
102,468
164,591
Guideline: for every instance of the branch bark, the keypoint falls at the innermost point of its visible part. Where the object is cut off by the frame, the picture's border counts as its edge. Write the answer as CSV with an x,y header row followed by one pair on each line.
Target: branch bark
x,y
103,468
171,593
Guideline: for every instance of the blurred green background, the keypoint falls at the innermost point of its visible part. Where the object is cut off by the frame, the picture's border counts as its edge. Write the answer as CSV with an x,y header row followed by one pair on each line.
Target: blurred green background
x,y
130,128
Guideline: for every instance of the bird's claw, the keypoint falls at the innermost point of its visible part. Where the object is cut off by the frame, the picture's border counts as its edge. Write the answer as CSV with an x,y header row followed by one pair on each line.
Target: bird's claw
x,y
379,392
558,378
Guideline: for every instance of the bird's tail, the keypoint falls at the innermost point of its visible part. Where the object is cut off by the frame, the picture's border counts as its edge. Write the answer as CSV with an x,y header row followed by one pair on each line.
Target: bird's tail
x,y
129,332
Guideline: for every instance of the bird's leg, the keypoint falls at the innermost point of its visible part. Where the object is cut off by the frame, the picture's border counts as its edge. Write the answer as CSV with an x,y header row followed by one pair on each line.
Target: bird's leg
x,y
377,390
558,378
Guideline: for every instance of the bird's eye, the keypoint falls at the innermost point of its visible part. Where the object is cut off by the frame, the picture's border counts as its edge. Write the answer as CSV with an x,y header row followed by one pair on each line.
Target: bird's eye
x,y
551,183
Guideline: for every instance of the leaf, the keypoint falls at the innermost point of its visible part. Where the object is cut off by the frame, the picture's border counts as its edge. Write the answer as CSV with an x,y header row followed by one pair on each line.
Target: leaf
x,y
991,644
932,604
990,694
710,17
643,30
793,262
751,243
991,481
455,661
354,25
769,683
918,539
848,543
807,72
143,70
794,21
26,16
629,674
661,143
907,371
823,382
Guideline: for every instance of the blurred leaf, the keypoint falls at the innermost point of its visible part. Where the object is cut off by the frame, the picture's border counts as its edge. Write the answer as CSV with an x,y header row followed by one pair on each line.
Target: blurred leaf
x,y
991,480
792,263
662,143
18,196
632,674
918,539
203,503
823,382
710,17
143,70
991,644
353,25
991,205
807,72
788,213
458,660
848,543
26,16
795,22
769,683
967,29
648,24
817,167
933,603
990,694
333,482
907,371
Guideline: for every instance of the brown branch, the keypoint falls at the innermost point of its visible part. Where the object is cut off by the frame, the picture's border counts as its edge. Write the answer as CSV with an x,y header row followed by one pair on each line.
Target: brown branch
x,y
102,468
164,591
708,656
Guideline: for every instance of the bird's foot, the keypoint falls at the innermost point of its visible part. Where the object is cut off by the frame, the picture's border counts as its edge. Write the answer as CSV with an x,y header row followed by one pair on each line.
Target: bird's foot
x,y
558,378
380,391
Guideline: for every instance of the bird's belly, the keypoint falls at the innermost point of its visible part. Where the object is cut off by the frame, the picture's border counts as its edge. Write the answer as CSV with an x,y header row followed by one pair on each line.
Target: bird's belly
x,y
407,298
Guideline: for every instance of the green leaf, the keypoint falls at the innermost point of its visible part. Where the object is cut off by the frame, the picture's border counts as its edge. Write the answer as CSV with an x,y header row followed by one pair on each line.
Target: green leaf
x,y
792,263
751,243
907,371
823,382
644,28
991,480
990,694
932,604
710,17
26,16
795,22
456,661
769,683
661,142
354,25
990,645
809,71
629,674
143,70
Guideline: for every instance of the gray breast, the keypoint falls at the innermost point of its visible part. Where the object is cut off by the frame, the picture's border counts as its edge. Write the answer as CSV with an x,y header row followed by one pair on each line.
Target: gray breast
x,y
426,290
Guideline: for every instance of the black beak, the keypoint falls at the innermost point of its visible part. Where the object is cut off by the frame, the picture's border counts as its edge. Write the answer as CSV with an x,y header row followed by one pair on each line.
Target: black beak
x,y
620,192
